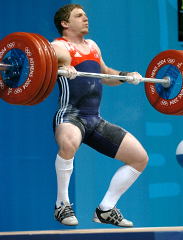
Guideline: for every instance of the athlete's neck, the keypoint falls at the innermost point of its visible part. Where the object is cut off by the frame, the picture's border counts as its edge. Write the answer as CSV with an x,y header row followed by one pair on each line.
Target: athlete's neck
x,y
74,39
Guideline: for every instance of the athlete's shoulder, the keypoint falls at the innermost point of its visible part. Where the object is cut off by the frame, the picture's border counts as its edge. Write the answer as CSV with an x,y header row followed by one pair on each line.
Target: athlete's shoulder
x,y
91,42
62,44
94,45
62,51
59,42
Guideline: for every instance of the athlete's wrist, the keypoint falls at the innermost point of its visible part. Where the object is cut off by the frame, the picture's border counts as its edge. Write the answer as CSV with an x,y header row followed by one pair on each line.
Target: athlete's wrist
x,y
123,73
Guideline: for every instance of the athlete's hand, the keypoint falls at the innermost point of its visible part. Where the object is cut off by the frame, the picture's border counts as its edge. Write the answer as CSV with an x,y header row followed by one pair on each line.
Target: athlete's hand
x,y
70,72
136,78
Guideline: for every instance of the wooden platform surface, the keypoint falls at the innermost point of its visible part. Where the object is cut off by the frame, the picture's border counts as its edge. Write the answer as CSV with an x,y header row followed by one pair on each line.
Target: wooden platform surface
x,y
94,231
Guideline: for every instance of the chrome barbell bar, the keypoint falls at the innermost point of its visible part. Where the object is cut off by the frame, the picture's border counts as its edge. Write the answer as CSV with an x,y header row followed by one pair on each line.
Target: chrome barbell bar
x,y
164,81
4,66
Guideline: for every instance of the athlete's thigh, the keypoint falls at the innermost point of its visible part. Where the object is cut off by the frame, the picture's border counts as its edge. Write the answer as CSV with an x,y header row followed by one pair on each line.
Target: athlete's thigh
x,y
106,138
130,150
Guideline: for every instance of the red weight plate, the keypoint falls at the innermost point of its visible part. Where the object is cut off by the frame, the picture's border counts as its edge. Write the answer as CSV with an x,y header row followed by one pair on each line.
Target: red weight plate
x,y
36,68
40,96
54,70
54,67
168,63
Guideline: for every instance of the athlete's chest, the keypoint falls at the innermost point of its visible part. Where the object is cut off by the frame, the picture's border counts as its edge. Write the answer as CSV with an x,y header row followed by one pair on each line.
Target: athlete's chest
x,y
84,48
80,54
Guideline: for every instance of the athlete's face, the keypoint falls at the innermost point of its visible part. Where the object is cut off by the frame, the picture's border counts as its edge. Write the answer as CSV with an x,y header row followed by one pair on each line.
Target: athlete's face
x,y
78,21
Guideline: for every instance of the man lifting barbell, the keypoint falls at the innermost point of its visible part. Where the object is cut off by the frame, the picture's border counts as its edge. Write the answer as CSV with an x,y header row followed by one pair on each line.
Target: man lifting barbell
x,y
78,119
28,72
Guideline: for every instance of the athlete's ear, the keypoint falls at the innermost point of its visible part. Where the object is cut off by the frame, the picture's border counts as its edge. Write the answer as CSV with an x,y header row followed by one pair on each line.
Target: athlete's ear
x,y
64,24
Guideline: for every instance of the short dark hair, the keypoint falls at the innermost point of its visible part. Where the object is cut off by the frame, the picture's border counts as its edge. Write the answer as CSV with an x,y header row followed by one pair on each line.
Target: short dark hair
x,y
63,14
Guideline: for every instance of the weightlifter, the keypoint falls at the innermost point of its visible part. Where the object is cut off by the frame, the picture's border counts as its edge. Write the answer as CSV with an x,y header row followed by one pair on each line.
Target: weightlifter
x,y
78,119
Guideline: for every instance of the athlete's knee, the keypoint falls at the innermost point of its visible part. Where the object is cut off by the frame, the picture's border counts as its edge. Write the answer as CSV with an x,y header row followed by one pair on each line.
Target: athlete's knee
x,y
144,160
139,160
68,147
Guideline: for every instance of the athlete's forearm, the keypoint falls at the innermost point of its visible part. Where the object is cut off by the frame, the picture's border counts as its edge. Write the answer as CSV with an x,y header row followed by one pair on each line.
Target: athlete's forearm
x,y
111,82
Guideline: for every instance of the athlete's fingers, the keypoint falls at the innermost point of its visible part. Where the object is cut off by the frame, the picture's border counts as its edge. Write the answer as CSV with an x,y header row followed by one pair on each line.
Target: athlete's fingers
x,y
136,78
71,72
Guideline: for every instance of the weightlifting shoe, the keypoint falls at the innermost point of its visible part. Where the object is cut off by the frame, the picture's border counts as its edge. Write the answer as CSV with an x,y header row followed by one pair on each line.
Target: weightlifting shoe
x,y
112,216
65,214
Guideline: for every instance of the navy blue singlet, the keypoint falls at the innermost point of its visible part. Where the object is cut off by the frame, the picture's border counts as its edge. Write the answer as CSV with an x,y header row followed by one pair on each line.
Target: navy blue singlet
x,y
82,95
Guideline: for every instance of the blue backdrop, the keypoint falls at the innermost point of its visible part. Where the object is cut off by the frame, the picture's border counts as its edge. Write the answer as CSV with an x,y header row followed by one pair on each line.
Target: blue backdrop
x,y
129,33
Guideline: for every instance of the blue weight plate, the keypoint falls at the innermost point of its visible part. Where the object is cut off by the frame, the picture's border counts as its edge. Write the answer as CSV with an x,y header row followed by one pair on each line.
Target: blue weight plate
x,y
176,81
15,76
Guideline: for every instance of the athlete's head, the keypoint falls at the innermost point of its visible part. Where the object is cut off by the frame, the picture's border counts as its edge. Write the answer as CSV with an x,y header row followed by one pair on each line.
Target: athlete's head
x,y
71,16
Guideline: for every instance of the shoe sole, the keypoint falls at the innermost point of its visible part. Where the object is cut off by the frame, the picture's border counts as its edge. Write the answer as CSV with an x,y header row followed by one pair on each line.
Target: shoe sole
x,y
96,220
67,224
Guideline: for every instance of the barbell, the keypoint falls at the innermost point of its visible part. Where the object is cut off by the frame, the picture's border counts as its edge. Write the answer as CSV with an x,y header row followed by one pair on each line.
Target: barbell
x,y
29,70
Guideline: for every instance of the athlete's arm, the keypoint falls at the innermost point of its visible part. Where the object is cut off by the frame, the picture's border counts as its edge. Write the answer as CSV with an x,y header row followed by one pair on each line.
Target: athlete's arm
x,y
62,53
64,58
107,70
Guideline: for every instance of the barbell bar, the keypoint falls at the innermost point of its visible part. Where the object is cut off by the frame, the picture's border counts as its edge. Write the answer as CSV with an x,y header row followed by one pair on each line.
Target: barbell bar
x,y
165,81
29,71
4,67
